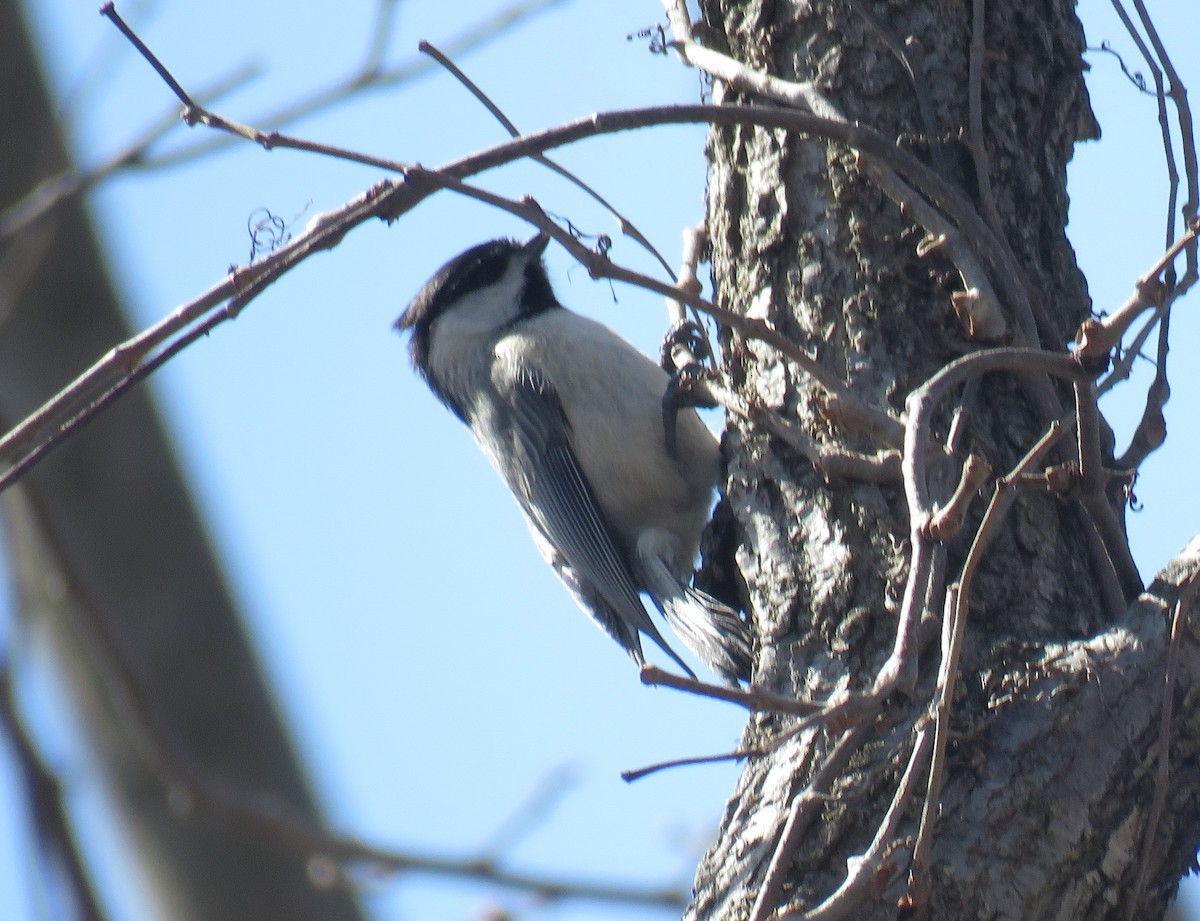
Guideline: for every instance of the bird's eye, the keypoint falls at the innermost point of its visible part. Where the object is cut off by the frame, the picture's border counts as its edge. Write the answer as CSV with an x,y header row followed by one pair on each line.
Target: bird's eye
x,y
479,276
470,272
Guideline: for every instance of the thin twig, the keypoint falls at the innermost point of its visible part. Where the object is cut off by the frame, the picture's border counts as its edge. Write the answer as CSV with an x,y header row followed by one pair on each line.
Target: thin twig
x,y
802,810
754,699
1178,95
524,819
1159,61
1134,77
1164,127
1151,430
263,815
863,872
58,851
957,609
1183,600
110,11
370,76
739,755
626,226
385,16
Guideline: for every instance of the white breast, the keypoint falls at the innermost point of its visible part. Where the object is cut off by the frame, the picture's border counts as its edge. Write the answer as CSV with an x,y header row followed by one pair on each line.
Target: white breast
x,y
617,427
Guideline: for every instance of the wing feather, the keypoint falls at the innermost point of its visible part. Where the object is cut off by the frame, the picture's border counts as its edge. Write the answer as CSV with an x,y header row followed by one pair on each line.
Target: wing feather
x,y
561,504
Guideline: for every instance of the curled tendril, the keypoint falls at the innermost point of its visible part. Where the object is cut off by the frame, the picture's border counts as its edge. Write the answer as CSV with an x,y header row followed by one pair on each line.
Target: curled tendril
x,y
267,232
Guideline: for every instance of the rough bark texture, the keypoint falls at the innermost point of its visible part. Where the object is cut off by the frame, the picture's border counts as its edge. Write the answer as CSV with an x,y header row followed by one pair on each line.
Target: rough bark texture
x,y
1057,704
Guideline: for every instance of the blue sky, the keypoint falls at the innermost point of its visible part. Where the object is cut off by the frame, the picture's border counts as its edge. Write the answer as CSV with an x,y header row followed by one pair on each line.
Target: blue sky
x,y
434,670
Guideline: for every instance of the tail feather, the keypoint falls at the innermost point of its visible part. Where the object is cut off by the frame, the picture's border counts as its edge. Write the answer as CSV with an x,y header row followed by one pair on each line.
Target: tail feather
x,y
713,631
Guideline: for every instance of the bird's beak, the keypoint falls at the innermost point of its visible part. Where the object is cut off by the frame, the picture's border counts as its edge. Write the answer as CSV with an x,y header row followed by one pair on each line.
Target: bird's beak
x,y
535,246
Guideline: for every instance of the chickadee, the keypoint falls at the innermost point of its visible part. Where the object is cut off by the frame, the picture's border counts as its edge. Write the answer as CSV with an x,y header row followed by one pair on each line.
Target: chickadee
x,y
571,416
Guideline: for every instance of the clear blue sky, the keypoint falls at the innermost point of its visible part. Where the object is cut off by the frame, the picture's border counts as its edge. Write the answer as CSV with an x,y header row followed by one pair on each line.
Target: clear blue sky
x,y
385,571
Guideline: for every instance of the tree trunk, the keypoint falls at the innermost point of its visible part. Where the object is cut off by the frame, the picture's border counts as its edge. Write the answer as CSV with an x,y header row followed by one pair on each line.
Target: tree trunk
x,y
1050,771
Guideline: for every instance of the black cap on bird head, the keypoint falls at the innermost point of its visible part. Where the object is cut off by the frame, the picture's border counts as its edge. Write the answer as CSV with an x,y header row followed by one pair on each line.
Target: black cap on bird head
x,y
469,271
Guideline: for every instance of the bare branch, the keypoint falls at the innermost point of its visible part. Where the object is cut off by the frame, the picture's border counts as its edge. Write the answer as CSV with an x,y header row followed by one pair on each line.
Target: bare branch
x,y
739,755
385,16
1158,60
523,820
1134,77
389,200
55,190
1151,430
370,77
193,789
625,225
57,849
953,631
864,871
984,245
110,12
802,811
1096,338
1187,595
1178,95
754,698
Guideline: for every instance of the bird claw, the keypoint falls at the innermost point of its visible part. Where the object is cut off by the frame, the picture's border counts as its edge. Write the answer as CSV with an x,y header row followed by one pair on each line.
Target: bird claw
x,y
689,336
683,391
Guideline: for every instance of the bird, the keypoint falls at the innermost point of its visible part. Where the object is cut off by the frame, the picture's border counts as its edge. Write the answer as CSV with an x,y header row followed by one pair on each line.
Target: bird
x,y
571,416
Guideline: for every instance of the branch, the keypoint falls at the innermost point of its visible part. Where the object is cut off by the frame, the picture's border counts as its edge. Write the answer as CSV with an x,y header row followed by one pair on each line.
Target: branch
x,y
370,76
1096,338
802,810
77,403
58,852
54,191
1186,596
953,633
754,698
863,872
626,226
1158,61
975,244
193,790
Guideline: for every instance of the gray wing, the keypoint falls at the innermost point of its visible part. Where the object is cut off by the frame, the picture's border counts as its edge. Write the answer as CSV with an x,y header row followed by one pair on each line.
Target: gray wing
x,y
560,504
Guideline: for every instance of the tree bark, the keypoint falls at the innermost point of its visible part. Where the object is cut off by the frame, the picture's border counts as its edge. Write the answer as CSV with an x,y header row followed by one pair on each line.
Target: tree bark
x,y
1056,715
